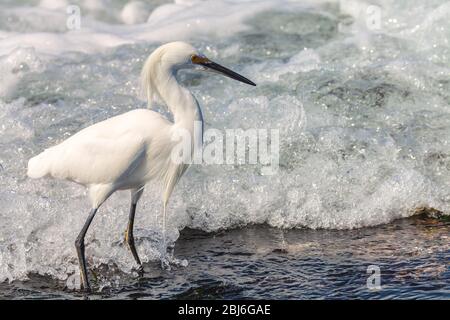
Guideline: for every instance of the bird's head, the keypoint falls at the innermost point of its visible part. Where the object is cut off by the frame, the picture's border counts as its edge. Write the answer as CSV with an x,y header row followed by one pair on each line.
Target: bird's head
x,y
181,55
171,57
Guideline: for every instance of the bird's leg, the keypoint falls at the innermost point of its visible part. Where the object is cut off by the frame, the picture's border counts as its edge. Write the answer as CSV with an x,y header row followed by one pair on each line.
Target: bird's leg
x,y
164,226
79,245
129,237
164,261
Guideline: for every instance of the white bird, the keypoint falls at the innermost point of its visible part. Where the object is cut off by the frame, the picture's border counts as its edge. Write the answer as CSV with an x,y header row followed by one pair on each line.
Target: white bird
x,y
127,151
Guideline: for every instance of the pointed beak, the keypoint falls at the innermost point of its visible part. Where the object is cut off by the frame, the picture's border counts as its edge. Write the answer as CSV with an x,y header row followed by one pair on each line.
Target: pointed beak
x,y
210,65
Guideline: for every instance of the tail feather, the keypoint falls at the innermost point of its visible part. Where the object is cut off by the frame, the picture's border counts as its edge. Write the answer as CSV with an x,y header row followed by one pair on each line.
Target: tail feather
x,y
39,166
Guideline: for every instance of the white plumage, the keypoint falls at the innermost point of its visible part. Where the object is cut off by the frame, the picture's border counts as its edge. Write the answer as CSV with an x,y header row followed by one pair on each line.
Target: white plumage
x,y
111,155
127,151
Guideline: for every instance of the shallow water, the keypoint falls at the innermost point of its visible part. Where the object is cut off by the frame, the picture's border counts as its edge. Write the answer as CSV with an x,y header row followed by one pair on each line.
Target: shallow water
x,y
361,105
259,262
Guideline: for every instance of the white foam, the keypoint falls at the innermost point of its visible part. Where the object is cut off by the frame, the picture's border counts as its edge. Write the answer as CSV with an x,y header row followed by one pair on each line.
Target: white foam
x,y
53,4
15,65
135,12
178,21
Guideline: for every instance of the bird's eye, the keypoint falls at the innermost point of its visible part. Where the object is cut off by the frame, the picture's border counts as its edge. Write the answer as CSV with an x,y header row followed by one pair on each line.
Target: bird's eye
x,y
196,59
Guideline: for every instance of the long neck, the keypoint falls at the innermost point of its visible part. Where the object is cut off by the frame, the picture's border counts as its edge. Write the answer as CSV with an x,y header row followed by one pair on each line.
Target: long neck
x,y
182,104
179,101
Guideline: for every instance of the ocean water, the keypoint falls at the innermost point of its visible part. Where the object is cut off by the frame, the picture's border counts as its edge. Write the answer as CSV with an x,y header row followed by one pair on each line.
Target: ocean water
x,y
260,262
359,92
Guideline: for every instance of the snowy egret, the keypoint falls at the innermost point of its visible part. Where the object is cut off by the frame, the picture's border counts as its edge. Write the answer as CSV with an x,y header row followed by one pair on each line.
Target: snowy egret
x,y
127,151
